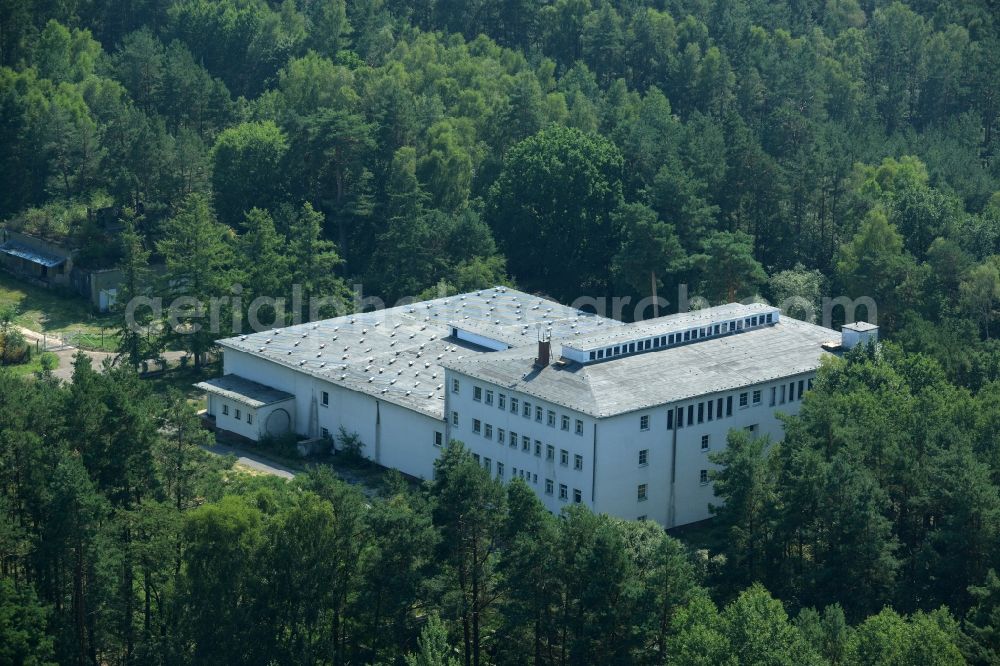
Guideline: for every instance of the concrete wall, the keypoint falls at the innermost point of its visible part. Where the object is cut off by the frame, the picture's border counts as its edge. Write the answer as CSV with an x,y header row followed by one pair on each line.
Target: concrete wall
x,y
610,448
393,436
675,493
240,426
515,457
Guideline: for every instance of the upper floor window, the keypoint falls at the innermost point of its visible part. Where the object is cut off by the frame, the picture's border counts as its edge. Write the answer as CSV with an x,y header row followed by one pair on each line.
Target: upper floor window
x,y
489,397
488,431
643,457
551,418
563,457
743,399
538,414
703,476
454,418
454,386
565,422
577,461
526,412
501,401
579,427
513,405
550,452
644,422
641,492
326,399
477,393
756,396
563,491
477,426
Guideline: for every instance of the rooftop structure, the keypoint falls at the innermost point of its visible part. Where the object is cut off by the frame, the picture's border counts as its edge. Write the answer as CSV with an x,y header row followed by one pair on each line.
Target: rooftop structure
x,y
657,376
396,354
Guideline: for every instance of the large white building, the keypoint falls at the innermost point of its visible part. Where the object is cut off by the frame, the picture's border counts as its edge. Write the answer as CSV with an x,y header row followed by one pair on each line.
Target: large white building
x,y
620,417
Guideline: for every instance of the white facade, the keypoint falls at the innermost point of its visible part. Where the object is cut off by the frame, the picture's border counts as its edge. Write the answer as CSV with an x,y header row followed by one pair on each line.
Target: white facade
x,y
616,420
392,435
609,471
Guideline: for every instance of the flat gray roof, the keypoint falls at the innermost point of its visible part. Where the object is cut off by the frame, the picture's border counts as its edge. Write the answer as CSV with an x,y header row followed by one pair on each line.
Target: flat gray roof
x,y
27,253
396,354
657,377
860,326
243,390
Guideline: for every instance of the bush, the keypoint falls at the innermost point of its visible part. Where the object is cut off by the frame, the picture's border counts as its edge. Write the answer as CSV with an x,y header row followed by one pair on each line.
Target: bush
x,y
350,444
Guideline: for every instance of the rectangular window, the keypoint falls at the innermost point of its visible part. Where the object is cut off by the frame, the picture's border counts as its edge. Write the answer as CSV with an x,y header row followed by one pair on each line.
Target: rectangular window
x,y
538,413
225,410
641,492
488,431
477,426
513,439
579,427
475,456
670,419
600,354
743,399
489,397
550,452
548,486
438,437
703,476
782,400
774,392
501,401
325,434
691,414
801,387
593,356
718,408
525,443
756,396
526,412
238,415
563,457
729,405
550,417
534,478
701,412
454,386
565,422
249,418
501,436
643,457
454,419
538,449
791,392
644,422
563,492
577,495
577,461
711,409
487,464
477,393
670,339
680,417
513,405
499,470
704,442
326,399
809,384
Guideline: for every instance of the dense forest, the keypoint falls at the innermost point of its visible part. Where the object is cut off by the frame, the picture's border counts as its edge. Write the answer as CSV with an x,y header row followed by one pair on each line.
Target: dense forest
x,y
788,148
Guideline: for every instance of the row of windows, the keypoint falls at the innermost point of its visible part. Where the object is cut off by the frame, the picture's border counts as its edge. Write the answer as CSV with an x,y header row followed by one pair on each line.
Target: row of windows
x,y
642,490
711,410
540,414
527,476
238,414
681,337
502,437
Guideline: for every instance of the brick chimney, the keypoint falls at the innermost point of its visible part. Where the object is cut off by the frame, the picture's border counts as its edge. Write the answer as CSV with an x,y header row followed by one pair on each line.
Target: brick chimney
x,y
544,345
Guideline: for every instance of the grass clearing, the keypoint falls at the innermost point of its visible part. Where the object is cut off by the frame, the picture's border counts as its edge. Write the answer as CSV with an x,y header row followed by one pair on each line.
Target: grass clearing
x,y
58,312
32,366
